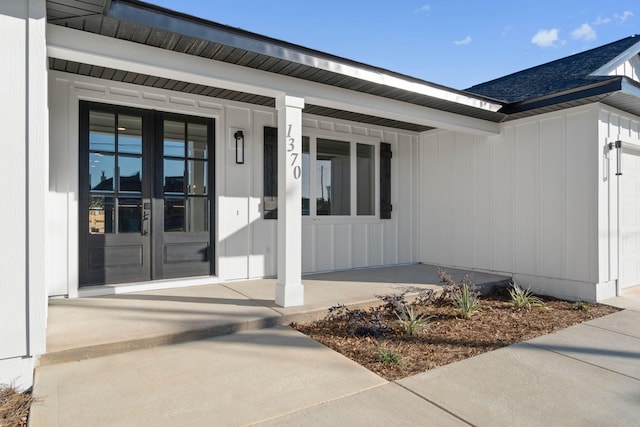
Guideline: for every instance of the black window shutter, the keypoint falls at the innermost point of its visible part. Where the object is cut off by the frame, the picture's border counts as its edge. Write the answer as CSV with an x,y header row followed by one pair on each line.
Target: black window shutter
x,y
385,180
270,197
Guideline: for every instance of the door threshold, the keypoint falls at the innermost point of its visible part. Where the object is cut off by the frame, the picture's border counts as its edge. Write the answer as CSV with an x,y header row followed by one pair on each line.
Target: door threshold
x,y
151,285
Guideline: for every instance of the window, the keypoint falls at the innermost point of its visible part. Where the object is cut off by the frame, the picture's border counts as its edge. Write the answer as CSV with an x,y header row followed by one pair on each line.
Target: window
x,y
338,177
333,177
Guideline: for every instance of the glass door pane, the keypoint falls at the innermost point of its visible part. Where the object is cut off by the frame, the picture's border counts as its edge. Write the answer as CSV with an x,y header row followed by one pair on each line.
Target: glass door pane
x,y
114,244
185,243
115,156
185,157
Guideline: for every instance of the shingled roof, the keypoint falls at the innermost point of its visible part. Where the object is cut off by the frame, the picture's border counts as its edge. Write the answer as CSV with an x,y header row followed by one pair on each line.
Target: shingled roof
x,y
554,77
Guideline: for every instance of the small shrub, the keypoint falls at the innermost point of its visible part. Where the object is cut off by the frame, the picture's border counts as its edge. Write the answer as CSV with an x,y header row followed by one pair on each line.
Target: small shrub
x,y
581,305
524,298
388,356
451,289
358,322
445,277
425,297
411,322
336,313
393,303
466,299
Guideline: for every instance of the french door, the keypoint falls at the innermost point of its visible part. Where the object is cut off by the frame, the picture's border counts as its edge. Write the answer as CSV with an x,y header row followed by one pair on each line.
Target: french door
x,y
146,195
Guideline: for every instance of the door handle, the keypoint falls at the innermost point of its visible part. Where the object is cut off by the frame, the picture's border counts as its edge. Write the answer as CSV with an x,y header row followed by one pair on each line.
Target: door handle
x,y
146,218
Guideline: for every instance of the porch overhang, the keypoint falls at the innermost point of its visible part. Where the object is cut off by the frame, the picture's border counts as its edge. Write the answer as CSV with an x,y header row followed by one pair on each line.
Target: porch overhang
x,y
92,49
137,37
618,92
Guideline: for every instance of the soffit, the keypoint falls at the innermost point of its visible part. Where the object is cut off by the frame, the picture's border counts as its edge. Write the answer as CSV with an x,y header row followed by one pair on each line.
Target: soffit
x,y
64,9
625,102
220,93
147,24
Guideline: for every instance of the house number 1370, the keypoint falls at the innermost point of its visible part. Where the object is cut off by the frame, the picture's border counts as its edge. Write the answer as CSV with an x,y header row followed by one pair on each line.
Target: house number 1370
x,y
297,170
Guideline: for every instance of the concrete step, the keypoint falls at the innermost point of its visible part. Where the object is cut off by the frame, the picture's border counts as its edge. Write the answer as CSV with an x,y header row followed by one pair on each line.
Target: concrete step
x,y
170,338
86,328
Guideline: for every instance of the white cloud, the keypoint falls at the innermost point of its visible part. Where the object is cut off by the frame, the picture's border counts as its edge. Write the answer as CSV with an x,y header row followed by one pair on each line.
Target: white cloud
x,y
601,21
584,33
621,18
463,41
506,30
423,9
618,18
546,38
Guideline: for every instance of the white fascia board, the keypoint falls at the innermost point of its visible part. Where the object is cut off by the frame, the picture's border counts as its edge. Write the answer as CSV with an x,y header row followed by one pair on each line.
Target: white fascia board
x,y
83,47
610,66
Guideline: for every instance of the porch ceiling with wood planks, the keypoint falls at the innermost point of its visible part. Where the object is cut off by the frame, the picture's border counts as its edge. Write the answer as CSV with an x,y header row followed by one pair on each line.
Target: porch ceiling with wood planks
x,y
150,25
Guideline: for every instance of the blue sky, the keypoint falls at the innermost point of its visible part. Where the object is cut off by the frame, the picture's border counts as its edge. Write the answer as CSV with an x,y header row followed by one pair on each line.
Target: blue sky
x,y
453,43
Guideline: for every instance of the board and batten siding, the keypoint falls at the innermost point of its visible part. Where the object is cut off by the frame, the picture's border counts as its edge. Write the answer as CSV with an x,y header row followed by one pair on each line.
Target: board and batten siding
x,y
23,170
523,203
341,243
246,243
630,69
619,211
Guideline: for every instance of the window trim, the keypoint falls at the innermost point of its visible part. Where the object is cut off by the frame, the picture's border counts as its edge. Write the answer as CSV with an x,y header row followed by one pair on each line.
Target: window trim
x,y
353,139
313,135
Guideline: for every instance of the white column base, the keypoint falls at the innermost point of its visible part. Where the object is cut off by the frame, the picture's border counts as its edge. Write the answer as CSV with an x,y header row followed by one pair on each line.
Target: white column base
x,y
17,372
289,295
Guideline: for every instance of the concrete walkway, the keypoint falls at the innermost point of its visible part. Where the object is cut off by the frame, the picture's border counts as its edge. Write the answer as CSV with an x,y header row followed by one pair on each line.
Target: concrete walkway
x,y
588,374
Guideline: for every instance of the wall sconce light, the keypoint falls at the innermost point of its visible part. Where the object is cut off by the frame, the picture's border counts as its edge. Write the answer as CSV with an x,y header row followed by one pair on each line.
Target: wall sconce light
x,y
618,147
239,136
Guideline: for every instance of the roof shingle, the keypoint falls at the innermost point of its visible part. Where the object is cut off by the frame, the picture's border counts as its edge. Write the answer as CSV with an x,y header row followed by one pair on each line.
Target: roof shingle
x,y
553,77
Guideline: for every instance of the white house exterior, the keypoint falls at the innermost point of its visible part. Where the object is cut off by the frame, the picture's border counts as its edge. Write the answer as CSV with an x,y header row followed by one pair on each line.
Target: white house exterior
x,y
540,202
153,100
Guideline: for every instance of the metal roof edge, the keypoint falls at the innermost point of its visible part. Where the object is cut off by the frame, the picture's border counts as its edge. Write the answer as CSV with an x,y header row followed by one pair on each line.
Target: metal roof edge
x,y
611,85
106,7
157,17
631,87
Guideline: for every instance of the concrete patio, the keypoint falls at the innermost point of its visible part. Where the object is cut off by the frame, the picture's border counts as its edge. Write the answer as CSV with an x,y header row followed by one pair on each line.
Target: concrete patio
x,y
588,374
89,327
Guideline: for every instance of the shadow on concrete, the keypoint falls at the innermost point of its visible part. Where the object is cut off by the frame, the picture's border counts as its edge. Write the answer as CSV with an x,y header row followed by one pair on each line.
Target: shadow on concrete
x,y
568,349
196,300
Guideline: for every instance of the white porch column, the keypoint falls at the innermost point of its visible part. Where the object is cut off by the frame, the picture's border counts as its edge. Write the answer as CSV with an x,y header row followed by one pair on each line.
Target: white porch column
x,y
289,290
24,171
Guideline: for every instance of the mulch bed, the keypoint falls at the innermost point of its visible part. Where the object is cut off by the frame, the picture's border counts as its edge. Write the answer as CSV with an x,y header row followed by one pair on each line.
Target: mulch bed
x,y
448,339
14,407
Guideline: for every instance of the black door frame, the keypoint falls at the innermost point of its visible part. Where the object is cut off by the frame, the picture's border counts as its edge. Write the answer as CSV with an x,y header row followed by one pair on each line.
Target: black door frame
x,y
152,192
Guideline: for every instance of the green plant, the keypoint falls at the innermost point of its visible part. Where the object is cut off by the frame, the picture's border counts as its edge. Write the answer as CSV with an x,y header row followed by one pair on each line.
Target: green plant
x,y
445,277
466,300
388,356
524,298
411,322
581,305
451,289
